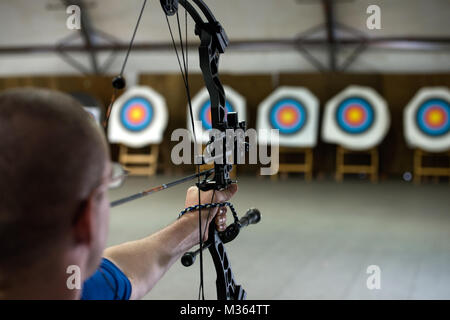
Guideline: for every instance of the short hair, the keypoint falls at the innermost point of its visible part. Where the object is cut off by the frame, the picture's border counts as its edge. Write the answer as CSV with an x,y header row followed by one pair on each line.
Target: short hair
x,y
52,156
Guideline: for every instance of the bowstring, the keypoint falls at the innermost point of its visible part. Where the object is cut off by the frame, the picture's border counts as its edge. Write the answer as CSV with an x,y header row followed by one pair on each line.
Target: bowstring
x,y
186,68
184,75
132,38
122,69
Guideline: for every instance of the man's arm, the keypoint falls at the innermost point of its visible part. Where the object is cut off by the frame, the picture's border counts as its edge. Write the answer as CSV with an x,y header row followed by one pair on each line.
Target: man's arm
x,y
145,261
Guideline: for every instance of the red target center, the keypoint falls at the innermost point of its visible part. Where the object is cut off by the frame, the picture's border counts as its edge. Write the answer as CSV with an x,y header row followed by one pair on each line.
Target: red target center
x,y
355,115
435,117
136,114
288,116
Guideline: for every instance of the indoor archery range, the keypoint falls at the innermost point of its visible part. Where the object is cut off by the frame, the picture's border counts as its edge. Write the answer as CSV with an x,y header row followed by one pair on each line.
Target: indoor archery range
x,y
357,90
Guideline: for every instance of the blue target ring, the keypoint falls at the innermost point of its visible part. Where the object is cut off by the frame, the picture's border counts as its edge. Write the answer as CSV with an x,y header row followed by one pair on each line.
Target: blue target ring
x,y
433,117
136,114
355,115
205,113
288,115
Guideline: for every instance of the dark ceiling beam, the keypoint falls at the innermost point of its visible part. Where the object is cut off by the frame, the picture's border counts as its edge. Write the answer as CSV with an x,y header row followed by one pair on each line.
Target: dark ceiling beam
x,y
86,31
389,43
328,8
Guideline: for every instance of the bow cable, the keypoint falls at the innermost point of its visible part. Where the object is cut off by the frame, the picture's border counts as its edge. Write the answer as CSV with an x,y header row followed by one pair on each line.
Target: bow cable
x,y
119,82
184,74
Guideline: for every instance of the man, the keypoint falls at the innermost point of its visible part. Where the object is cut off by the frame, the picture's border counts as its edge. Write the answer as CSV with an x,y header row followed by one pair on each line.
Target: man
x,y
54,208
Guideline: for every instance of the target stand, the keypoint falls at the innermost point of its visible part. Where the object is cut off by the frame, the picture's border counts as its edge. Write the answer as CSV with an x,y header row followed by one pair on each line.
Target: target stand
x,y
427,130
305,167
434,171
139,164
356,120
342,167
294,113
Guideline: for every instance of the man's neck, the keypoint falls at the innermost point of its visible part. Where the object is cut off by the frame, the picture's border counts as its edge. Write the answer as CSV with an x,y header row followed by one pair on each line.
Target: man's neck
x,y
47,279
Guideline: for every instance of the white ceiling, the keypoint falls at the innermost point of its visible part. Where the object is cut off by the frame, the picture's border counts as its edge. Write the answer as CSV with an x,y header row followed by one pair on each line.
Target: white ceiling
x,y
43,22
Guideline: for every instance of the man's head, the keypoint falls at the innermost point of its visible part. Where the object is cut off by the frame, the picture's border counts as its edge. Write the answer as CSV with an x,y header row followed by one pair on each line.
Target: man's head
x,y
54,168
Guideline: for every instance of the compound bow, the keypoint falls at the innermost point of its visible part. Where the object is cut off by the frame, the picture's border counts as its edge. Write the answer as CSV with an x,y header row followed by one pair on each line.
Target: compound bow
x,y
213,42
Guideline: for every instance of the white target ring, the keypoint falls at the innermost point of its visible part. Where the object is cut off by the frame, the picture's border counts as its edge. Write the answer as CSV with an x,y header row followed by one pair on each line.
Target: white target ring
x,y
427,120
357,119
138,118
294,112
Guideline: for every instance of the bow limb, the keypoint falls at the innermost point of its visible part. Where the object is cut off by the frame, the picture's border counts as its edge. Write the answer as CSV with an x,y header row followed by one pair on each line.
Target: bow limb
x,y
227,289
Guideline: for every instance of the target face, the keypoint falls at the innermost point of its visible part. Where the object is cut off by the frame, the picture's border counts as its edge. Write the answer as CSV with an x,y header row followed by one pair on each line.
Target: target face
x,y
201,109
426,120
205,113
136,114
433,117
292,112
357,118
355,115
288,115
138,118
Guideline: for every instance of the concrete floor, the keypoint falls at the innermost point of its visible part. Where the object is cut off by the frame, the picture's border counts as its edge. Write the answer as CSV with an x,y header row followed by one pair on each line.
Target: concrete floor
x,y
315,240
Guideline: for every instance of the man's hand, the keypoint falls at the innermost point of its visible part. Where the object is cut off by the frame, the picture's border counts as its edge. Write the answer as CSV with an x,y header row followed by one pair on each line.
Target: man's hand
x,y
145,261
209,214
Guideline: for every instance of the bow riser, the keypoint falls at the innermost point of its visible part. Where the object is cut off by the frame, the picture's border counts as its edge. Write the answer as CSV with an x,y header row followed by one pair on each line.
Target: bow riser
x,y
209,54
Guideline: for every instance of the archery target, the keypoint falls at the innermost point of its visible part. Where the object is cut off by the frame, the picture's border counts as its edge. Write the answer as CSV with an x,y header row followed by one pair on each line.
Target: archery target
x,y
294,112
201,108
355,115
136,114
427,120
357,119
138,118
288,116
433,117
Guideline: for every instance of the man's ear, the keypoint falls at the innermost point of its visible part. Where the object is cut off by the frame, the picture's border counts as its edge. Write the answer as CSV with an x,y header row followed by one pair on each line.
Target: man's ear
x,y
83,225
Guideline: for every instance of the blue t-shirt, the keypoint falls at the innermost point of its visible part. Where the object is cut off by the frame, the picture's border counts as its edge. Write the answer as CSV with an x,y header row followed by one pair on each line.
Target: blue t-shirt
x,y
107,283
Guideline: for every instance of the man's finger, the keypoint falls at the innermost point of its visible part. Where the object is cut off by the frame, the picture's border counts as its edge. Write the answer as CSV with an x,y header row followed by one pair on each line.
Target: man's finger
x,y
221,219
227,194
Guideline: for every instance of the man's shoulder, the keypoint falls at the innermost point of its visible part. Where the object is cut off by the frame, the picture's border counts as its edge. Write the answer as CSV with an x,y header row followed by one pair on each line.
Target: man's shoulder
x,y
107,283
